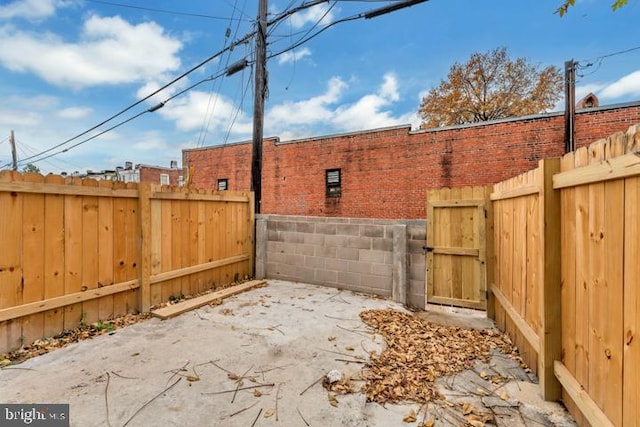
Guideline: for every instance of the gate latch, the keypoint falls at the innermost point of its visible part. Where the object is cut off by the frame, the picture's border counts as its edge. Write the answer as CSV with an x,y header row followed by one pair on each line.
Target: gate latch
x,y
427,248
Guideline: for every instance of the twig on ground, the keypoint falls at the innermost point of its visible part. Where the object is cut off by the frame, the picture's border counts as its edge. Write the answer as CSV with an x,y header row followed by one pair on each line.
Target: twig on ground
x,y
240,383
341,318
123,377
340,353
273,369
277,397
305,421
351,361
245,409
199,315
176,371
235,390
257,416
276,328
312,384
106,398
154,398
220,367
353,331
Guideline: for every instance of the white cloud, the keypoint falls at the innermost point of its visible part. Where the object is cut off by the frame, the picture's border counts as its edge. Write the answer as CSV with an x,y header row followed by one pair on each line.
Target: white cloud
x,y
309,111
30,9
189,113
321,14
110,51
628,85
293,55
73,113
292,120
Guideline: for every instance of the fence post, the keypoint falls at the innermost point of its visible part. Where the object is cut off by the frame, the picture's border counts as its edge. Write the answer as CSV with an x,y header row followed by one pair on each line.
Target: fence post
x,y
490,253
144,205
550,332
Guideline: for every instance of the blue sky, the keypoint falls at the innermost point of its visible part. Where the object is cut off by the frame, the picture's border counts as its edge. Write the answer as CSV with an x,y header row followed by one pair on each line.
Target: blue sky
x,y
67,65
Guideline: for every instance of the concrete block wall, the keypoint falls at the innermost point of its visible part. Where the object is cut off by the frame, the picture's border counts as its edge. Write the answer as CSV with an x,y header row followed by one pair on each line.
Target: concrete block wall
x,y
381,257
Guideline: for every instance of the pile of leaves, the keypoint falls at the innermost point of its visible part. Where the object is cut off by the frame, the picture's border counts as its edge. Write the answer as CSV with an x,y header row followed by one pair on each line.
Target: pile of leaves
x,y
418,352
83,332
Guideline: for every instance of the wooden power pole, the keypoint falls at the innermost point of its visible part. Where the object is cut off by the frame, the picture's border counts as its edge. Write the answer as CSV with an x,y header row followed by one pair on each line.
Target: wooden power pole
x,y
258,104
14,155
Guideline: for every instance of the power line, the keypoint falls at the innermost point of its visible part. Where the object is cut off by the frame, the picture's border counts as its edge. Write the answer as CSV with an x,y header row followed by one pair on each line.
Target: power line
x,y
151,9
587,63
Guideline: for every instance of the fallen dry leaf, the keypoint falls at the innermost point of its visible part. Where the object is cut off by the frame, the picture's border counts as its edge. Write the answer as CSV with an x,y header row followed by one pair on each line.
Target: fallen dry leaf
x,y
233,376
418,352
333,400
349,348
467,408
192,378
428,423
257,393
331,338
504,395
412,417
269,412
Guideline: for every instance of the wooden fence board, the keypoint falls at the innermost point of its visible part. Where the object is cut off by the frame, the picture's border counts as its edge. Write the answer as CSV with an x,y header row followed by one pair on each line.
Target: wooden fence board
x,y
119,251
631,305
90,248
568,233
10,265
73,253
105,251
33,258
132,239
54,253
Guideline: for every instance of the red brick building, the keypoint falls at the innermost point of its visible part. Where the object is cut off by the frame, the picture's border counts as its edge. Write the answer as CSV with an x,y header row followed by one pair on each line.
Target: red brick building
x,y
384,173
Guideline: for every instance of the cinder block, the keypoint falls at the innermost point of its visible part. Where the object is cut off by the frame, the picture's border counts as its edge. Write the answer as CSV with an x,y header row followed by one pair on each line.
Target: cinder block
x,y
377,282
275,247
275,236
418,272
305,227
359,242
372,231
313,239
326,276
371,256
336,264
415,246
285,226
326,251
326,228
382,270
303,249
348,229
292,237
278,257
347,278
294,259
304,274
417,259
382,244
360,267
336,241
314,262
351,254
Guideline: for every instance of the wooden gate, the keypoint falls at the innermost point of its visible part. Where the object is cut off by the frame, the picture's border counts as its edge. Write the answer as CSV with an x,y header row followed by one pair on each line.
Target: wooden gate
x,y
456,248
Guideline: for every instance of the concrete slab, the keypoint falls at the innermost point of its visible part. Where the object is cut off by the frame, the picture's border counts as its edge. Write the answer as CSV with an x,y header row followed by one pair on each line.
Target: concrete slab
x,y
183,371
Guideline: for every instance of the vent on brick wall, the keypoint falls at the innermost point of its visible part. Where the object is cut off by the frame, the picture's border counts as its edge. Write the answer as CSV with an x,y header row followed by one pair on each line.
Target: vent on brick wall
x,y
223,184
333,179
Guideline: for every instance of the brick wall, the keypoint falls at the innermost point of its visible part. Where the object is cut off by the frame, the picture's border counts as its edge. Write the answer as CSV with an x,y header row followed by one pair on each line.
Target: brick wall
x,y
347,253
152,174
386,172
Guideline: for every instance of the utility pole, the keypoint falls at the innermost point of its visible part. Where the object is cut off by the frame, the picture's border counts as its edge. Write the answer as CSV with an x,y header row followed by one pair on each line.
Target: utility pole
x,y
570,105
258,104
14,155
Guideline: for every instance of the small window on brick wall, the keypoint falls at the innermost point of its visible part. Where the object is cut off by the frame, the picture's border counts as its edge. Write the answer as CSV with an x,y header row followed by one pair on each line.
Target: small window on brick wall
x,y
164,179
222,184
333,181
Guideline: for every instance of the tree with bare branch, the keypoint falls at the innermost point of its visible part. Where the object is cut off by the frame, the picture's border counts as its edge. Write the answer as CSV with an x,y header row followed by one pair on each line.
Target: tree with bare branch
x,y
491,86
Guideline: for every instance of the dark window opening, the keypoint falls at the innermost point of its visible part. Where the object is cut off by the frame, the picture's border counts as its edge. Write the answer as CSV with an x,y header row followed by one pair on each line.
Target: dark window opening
x,y
222,184
333,180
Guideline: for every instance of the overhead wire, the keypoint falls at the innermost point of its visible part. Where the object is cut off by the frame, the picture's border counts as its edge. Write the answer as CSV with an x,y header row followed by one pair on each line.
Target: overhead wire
x,y
151,9
208,117
583,64
279,18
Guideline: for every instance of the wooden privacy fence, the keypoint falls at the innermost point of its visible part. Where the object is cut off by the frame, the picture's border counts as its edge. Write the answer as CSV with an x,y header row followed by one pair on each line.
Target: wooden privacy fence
x,y
567,239
78,251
